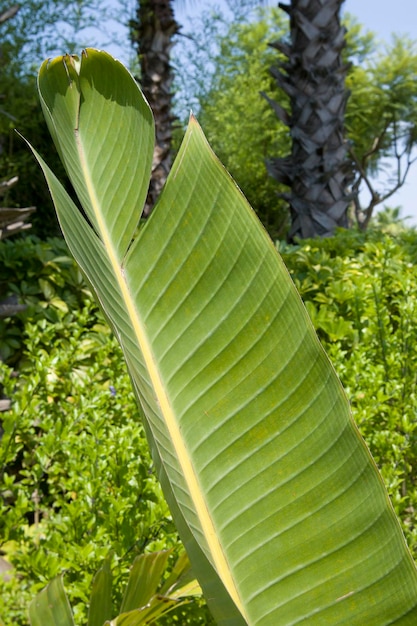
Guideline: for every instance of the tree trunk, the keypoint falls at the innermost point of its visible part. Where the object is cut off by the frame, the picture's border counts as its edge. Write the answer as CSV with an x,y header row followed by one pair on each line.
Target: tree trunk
x,y
318,170
152,33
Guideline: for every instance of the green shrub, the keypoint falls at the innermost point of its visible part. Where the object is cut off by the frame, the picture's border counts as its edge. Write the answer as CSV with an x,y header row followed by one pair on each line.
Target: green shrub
x,y
44,278
361,293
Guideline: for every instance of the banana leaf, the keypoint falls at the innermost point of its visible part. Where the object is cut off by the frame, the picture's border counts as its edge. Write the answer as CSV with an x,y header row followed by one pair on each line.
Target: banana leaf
x,y
51,606
144,579
100,608
276,497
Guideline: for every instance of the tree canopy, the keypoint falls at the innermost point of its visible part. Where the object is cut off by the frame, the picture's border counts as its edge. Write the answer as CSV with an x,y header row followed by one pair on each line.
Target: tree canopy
x,y
35,30
238,121
382,121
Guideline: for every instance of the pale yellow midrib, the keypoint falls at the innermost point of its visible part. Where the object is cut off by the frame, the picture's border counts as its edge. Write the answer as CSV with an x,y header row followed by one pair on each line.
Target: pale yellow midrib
x,y
184,460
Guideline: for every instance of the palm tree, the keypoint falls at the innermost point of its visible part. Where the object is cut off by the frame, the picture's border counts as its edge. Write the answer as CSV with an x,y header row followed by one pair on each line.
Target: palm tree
x,y
152,33
318,170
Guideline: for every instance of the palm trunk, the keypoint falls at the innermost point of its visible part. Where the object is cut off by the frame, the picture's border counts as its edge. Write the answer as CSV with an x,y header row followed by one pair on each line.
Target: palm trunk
x,y
318,170
153,32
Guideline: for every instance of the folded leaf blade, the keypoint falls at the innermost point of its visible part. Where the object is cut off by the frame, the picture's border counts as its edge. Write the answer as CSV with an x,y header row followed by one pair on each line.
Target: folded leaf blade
x,y
111,187
275,493
100,609
144,579
51,606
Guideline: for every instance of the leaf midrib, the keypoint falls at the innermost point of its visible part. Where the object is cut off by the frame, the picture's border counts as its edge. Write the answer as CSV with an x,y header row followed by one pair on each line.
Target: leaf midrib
x,y
219,559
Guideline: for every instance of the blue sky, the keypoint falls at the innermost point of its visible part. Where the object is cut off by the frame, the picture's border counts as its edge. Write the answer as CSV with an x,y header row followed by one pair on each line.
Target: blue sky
x,y
385,17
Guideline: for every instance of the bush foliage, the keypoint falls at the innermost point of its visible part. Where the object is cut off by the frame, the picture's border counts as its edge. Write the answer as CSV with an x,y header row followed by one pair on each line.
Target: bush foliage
x,y
76,478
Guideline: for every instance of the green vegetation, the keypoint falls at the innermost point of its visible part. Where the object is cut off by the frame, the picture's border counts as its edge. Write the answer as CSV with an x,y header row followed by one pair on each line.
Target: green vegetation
x,y
361,291
146,598
79,492
249,427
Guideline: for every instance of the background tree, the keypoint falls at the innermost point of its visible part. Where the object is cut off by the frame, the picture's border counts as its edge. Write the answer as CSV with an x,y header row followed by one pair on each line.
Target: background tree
x,y
153,33
239,123
12,220
242,127
38,29
318,171
382,121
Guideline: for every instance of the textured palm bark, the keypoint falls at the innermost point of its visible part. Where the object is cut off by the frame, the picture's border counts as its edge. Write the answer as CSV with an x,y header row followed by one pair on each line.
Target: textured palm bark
x,y
153,33
318,171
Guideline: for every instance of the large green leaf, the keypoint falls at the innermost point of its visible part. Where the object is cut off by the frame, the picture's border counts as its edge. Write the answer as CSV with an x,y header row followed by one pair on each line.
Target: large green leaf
x,y
281,508
144,579
51,606
100,608
145,599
